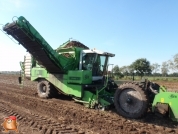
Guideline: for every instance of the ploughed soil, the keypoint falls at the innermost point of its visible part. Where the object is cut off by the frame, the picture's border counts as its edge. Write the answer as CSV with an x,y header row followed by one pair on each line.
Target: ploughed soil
x,y
61,115
171,85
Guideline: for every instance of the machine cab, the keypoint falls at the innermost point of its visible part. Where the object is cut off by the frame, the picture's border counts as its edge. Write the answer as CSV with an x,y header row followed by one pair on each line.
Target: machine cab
x,y
95,61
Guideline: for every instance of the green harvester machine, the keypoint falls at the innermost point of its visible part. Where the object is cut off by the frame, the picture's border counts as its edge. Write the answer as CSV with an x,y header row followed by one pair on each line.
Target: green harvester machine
x,y
77,71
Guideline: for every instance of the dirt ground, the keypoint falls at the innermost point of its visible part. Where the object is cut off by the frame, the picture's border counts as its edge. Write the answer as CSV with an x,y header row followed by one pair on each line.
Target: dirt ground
x,y
171,85
63,116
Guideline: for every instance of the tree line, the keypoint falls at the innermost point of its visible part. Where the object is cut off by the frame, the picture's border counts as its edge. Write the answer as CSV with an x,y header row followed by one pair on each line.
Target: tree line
x,y
142,67
9,72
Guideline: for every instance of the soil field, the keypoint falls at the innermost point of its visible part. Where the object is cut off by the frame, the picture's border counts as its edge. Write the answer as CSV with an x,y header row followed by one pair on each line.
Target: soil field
x,y
171,86
62,115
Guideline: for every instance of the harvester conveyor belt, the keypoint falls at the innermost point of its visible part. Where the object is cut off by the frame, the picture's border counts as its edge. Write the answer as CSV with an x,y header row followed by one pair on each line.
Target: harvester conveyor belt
x,y
34,47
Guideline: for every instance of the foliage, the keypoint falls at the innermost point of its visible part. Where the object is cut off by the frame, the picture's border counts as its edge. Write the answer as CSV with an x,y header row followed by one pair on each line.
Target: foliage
x,y
165,68
117,73
9,72
155,67
173,64
176,62
115,69
173,75
141,66
156,74
125,70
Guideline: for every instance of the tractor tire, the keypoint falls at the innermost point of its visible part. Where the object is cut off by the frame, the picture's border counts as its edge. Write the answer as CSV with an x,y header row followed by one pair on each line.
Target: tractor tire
x,y
131,101
44,89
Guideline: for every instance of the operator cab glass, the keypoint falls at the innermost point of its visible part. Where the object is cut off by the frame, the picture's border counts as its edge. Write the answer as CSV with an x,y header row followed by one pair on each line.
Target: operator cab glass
x,y
94,62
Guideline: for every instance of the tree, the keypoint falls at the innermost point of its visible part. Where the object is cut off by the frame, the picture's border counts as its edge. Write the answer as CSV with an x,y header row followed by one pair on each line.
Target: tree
x,y
176,62
117,72
173,64
165,68
173,75
155,67
125,70
115,69
141,66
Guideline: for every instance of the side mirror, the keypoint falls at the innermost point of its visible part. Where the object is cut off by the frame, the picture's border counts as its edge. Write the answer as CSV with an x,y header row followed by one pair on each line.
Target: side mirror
x,y
20,80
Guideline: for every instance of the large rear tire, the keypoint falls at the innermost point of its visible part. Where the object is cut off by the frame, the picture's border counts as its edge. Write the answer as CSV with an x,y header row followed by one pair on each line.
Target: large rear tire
x,y
44,89
131,101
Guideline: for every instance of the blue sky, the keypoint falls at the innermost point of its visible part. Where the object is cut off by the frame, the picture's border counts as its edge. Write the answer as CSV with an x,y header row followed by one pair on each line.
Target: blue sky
x,y
131,29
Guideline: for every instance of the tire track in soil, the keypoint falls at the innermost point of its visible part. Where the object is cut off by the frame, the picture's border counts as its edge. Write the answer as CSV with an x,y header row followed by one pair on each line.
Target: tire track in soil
x,y
31,93
111,121
30,123
72,113
69,114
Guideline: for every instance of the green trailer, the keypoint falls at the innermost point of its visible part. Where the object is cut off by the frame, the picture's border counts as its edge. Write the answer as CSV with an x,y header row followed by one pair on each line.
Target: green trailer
x,y
77,71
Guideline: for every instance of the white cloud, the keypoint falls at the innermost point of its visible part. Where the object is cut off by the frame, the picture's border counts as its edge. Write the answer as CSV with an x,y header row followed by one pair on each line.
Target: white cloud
x,y
10,5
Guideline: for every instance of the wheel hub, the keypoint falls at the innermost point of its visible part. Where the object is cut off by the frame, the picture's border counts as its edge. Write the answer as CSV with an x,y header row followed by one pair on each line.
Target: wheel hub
x,y
43,88
130,101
